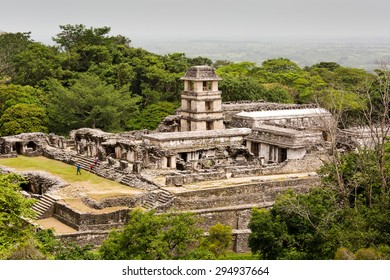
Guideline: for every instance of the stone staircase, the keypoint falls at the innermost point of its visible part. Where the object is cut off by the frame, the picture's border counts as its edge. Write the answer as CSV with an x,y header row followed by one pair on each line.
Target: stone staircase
x,y
157,198
127,180
149,203
85,162
164,197
43,205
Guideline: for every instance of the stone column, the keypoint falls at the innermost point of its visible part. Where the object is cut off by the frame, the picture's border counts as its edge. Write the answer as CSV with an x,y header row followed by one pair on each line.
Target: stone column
x,y
164,162
118,152
173,162
248,145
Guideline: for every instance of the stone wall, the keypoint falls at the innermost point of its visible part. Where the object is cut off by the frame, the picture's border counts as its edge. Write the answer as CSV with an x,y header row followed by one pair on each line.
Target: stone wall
x,y
38,182
239,239
236,217
212,206
197,140
130,202
256,193
90,221
86,237
182,179
310,163
215,205
14,155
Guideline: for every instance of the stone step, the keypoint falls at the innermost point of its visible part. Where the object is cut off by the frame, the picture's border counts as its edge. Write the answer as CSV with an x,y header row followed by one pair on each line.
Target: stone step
x,y
148,202
148,205
48,196
38,208
43,205
164,194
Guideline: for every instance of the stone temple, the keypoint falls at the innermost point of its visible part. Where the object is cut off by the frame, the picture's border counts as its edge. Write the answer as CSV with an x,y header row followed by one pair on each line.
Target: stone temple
x,y
218,160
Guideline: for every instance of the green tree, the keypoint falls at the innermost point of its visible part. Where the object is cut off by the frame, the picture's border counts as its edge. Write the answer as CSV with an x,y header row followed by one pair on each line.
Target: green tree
x,y
269,236
22,118
11,44
278,93
148,236
241,69
242,88
89,102
16,234
331,66
296,227
151,116
219,239
199,60
35,64
85,47
51,247
280,65
11,95
73,36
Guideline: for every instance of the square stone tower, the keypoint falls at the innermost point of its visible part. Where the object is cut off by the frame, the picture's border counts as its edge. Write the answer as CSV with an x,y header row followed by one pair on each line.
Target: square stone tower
x,y
201,102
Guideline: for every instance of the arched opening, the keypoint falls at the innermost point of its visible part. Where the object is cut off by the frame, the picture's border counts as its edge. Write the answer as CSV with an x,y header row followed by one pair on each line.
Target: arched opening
x,y
325,136
18,147
110,151
31,145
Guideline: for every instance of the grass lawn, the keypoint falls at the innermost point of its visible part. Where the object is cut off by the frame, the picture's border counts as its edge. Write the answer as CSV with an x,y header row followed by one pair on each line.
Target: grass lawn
x,y
90,184
57,168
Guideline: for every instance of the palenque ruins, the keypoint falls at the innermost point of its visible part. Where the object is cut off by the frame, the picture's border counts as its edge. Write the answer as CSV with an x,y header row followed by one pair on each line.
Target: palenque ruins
x,y
218,160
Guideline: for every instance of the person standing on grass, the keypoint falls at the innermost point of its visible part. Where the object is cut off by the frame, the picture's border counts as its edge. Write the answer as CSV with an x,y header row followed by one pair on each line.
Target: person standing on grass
x,y
78,169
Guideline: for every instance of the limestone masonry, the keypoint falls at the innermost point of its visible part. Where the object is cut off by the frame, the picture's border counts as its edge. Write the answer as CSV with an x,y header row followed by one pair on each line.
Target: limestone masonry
x,y
215,159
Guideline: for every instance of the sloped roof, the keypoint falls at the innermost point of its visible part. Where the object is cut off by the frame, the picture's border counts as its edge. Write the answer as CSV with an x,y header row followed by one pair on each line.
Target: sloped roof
x,y
284,113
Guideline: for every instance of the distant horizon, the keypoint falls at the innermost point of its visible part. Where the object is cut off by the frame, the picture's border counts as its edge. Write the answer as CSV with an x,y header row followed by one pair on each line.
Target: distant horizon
x,y
370,39
47,40
244,20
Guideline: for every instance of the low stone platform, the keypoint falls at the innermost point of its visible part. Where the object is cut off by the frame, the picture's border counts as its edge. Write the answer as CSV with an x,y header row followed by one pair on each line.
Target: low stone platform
x,y
58,227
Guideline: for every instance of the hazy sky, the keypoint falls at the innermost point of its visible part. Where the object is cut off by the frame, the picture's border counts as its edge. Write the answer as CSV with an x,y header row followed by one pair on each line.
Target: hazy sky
x,y
201,19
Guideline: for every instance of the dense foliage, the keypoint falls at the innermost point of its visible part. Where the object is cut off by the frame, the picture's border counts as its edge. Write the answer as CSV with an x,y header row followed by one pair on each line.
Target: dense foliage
x,y
89,77
148,236
16,234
